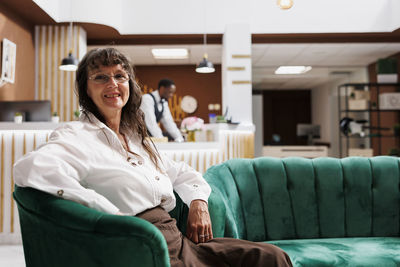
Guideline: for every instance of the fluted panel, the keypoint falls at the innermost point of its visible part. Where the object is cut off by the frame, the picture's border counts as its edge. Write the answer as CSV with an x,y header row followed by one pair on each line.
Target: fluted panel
x,y
52,44
236,144
199,160
13,144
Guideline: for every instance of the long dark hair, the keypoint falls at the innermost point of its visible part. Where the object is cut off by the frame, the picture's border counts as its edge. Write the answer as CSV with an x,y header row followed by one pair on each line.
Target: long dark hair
x,y
132,117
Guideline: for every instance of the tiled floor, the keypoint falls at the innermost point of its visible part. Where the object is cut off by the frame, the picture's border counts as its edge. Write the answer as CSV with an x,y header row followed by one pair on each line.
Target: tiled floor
x,y
12,256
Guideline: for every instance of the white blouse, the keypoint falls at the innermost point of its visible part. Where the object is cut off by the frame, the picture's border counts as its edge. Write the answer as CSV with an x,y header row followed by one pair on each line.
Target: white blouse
x,y
84,161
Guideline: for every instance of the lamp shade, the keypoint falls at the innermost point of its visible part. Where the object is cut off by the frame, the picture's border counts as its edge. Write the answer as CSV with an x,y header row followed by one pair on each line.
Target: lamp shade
x,y
205,66
69,63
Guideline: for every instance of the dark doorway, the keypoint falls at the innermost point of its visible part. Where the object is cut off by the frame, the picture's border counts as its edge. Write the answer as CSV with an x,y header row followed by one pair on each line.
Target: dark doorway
x,y
283,110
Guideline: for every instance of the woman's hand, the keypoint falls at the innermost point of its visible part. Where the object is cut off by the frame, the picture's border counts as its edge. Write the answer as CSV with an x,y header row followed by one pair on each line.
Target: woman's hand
x,y
199,222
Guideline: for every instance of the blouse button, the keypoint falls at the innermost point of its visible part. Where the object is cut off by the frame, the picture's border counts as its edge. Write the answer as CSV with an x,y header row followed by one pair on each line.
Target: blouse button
x,y
129,159
133,164
163,200
195,185
157,178
140,162
60,192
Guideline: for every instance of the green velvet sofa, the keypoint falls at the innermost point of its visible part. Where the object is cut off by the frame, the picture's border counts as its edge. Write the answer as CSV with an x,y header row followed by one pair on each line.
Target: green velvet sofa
x,y
322,212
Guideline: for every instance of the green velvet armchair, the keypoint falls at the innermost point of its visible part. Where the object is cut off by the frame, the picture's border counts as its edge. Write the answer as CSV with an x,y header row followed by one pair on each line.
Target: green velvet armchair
x,y
58,232
322,212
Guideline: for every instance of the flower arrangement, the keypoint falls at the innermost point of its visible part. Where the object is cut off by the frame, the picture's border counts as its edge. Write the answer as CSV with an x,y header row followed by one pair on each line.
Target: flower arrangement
x,y
192,124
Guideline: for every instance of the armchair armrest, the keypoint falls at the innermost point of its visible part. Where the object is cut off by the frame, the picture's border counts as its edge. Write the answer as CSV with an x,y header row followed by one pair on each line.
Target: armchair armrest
x,y
59,232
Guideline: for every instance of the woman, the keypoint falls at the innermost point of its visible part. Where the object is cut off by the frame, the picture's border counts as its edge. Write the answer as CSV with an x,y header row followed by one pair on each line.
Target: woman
x,y
105,162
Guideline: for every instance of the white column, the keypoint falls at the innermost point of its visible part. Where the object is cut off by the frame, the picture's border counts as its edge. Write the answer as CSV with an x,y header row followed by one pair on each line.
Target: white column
x,y
236,73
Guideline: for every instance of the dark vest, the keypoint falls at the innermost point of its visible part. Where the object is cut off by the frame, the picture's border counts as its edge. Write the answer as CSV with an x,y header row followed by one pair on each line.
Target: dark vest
x,y
157,112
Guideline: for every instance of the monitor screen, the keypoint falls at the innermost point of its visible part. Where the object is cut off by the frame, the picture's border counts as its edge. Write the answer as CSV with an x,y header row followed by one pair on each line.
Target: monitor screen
x,y
31,110
309,130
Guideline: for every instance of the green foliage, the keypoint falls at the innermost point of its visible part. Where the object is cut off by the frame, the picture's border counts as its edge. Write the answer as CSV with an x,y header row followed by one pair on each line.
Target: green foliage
x,y
77,113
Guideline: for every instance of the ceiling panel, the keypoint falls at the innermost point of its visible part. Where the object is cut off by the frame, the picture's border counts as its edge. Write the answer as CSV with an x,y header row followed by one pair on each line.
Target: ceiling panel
x,y
323,57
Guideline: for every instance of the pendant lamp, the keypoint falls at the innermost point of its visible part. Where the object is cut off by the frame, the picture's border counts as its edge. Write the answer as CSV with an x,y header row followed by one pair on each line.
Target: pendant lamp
x,y
70,63
205,66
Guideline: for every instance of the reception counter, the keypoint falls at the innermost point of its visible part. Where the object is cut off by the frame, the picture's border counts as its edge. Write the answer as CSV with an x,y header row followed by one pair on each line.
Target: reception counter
x,y
229,141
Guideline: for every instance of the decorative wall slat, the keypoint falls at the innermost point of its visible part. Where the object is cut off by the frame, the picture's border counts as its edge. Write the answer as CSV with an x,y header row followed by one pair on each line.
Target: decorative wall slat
x,y
54,44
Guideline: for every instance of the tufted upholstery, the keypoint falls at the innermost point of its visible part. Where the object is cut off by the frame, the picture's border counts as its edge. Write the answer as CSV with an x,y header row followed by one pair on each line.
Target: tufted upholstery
x,y
270,199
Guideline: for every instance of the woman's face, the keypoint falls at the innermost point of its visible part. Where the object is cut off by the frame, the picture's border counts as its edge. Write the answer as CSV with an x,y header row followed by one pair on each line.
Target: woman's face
x,y
108,87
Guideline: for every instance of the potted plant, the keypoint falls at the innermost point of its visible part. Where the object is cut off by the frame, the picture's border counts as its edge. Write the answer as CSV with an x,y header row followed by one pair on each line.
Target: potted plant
x,y
18,117
394,151
54,117
396,129
76,114
386,69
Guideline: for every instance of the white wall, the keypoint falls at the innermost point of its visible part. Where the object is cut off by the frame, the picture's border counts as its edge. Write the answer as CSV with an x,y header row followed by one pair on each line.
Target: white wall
x,y
325,108
167,17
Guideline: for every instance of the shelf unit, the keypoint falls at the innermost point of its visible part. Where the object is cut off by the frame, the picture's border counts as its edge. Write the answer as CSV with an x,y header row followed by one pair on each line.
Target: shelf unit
x,y
373,115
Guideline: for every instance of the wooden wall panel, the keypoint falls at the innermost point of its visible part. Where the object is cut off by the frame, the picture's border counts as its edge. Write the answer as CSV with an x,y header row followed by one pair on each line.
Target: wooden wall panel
x,y
52,45
20,32
206,88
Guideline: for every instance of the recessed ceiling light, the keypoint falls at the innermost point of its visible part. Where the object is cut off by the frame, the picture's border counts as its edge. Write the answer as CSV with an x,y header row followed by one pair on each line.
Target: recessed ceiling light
x,y
285,4
170,53
292,69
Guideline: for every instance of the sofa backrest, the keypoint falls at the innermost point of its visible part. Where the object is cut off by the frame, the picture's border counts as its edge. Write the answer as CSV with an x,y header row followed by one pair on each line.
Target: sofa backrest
x,y
291,198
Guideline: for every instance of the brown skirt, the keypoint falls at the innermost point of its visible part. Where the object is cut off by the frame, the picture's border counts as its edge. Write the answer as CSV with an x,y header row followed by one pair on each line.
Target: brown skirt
x,y
216,252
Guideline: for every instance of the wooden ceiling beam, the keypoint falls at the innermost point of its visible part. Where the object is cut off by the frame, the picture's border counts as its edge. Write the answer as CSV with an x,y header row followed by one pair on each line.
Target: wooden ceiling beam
x,y
327,38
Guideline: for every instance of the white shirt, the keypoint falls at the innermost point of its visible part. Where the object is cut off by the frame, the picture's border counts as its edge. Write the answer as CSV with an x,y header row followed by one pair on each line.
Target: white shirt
x,y
147,107
84,161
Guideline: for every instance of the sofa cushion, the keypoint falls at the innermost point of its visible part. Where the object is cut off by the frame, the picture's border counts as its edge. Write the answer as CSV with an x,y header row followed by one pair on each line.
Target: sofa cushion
x,y
365,251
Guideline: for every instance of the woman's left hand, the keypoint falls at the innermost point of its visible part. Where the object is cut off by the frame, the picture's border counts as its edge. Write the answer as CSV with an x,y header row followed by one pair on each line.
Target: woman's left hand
x,y
199,223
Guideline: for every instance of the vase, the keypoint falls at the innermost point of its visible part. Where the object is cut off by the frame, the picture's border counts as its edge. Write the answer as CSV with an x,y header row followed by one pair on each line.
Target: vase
x,y
55,119
191,136
18,119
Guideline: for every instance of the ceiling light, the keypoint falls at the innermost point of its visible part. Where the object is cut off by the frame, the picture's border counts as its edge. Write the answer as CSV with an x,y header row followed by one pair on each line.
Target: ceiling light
x,y
170,53
292,69
69,63
205,66
285,4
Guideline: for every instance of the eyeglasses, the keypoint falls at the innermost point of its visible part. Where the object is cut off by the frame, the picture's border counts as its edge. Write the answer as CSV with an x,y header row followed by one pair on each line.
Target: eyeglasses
x,y
104,78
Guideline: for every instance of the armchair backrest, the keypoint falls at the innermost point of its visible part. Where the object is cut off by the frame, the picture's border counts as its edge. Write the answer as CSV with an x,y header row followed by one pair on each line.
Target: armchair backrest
x,y
290,198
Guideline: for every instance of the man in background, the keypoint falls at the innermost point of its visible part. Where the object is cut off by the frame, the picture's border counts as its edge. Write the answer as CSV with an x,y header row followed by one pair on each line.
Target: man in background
x,y
156,110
